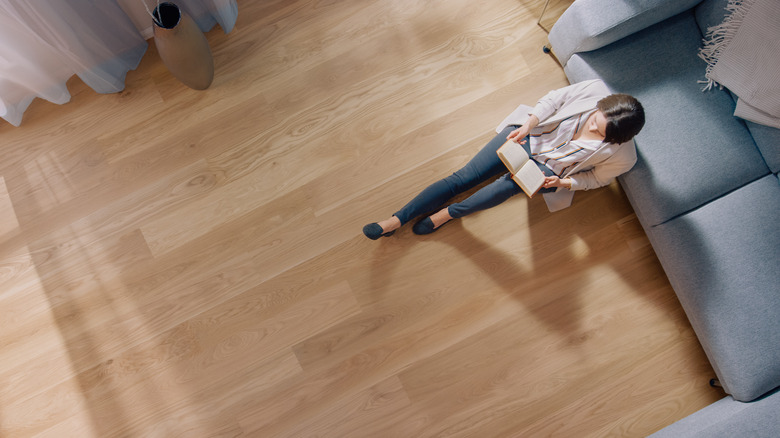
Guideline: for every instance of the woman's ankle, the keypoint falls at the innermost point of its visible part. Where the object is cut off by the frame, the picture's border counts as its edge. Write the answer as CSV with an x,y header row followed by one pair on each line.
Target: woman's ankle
x,y
441,217
390,224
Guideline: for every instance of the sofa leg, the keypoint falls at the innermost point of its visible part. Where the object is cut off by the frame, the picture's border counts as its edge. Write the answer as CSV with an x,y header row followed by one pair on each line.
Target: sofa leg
x,y
547,48
715,383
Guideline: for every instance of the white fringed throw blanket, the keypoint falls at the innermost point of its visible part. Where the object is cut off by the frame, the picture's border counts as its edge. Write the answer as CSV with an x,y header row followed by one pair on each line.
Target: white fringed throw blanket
x,y
743,54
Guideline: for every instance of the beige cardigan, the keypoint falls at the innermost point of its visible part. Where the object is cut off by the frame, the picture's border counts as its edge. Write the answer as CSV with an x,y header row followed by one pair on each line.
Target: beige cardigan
x,y
598,170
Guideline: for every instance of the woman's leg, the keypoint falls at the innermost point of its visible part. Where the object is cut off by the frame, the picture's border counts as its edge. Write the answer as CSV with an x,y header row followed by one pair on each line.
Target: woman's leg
x,y
487,197
493,194
482,167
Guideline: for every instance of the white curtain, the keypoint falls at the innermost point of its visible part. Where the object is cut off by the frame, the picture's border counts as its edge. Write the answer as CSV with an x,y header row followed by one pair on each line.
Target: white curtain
x,y
43,43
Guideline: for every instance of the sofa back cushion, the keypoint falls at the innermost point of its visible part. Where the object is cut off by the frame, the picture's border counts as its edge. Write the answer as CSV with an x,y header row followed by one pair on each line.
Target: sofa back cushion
x,y
767,139
710,13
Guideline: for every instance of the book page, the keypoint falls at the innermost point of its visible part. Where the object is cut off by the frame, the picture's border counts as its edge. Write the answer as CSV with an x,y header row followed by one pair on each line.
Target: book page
x,y
529,178
513,155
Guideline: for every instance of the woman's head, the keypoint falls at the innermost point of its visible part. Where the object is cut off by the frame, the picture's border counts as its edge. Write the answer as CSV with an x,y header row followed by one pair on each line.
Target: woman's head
x,y
625,117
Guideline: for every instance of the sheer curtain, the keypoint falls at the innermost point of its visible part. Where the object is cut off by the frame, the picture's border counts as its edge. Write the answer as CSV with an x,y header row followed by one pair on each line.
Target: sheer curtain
x,y
43,43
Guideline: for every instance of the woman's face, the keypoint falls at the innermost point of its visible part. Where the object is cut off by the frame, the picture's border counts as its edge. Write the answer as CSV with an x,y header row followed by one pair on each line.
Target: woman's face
x,y
597,123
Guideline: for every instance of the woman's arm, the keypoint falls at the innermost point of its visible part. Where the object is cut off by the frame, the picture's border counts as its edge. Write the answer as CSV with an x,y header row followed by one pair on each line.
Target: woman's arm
x,y
554,181
551,102
605,172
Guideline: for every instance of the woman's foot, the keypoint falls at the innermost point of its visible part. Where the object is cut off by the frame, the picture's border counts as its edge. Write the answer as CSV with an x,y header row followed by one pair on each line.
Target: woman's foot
x,y
382,228
432,222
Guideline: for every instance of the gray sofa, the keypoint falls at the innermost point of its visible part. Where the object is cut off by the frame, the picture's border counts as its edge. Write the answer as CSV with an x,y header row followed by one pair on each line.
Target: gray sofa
x,y
705,188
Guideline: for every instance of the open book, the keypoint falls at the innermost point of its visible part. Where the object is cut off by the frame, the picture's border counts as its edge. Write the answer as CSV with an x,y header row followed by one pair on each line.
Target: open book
x,y
523,169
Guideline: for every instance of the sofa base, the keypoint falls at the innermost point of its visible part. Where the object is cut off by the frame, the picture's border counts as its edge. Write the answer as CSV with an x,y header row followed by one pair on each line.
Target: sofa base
x,y
728,418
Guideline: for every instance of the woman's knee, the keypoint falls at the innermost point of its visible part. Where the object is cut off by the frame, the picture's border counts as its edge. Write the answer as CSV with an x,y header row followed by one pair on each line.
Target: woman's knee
x,y
505,187
463,179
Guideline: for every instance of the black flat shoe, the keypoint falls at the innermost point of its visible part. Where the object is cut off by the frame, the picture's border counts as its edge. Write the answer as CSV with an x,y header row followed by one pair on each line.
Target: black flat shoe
x,y
374,231
425,226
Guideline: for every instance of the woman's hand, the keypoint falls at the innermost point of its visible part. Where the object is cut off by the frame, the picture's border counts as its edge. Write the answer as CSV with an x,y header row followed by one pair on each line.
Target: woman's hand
x,y
518,135
554,181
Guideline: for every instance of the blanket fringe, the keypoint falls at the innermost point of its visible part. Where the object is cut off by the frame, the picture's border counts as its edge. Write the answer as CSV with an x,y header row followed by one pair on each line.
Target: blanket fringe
x,y
718,37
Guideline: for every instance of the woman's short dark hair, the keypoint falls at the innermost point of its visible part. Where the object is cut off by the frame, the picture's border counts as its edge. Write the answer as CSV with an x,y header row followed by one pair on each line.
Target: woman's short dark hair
x,y
625,117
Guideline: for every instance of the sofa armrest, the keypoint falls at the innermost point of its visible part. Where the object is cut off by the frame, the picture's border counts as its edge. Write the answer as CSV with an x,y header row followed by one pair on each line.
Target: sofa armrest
x,y
591,24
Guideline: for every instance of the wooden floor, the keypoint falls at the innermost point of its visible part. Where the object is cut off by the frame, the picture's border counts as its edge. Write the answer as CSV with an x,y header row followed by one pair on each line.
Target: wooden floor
x,y
184,263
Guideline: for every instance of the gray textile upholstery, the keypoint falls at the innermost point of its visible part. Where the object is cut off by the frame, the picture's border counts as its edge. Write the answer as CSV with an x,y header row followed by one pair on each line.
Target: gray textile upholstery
x,y
680,145
728,418
599,24
705,189
724,257
768,141
710,13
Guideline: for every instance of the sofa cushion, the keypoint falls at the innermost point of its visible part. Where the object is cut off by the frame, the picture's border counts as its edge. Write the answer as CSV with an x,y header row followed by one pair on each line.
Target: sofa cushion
x,y
710,13
767,139
588,25
723,260
691,150
728,418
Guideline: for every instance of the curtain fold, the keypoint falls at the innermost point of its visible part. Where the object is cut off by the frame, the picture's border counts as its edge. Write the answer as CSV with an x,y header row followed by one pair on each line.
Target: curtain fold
x,y
209,13
43,43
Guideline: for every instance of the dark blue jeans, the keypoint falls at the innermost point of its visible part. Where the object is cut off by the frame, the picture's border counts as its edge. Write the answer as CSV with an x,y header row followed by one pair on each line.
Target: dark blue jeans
x,y
484,166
